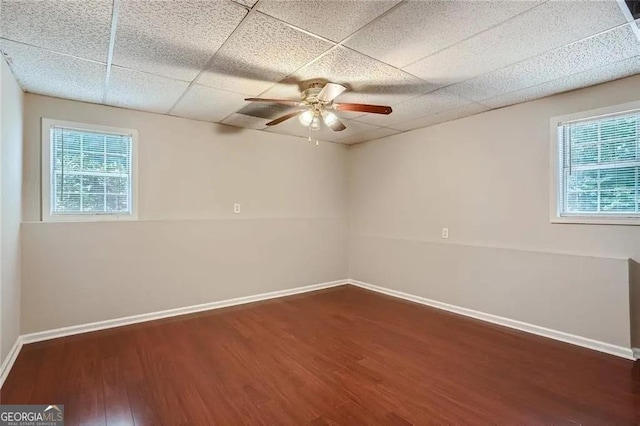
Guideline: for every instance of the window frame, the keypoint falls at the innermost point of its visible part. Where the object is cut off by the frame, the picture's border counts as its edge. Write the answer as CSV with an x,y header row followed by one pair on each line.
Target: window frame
x,y
46,159
557,192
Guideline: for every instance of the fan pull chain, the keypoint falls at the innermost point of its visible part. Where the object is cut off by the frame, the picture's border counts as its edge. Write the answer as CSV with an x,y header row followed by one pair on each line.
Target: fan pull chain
x,y
310,139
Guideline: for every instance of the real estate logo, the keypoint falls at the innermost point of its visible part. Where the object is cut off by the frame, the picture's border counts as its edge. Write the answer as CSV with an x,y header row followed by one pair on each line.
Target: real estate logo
x,y
31,415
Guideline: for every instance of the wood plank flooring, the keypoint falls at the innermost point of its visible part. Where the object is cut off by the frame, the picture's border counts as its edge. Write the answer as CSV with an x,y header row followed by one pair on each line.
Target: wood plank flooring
x,y
338,356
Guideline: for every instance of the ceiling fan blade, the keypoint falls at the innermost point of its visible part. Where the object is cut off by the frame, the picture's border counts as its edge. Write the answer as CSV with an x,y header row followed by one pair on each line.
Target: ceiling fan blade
x,y
284,118
374,109
334,123
330,91
275,101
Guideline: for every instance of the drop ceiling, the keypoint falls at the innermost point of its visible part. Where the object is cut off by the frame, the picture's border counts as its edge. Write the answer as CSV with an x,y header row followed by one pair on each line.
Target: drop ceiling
x,y
432,61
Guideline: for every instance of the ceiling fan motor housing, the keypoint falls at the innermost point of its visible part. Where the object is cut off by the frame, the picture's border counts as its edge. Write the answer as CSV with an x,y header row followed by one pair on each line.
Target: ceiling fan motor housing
x,y
310,95
310,98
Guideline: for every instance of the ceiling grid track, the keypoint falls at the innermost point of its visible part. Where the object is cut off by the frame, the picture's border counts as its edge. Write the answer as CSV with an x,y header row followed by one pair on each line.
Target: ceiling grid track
x,y
250,12
482,102
112,42
627,15
435,75
390,10
475,35
632,23
518,62
335,46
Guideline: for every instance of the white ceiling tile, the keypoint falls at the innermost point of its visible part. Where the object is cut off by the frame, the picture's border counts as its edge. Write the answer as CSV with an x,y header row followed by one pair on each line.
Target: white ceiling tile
x,y
555,24
449,115
173,39
605,48
260,53
283,90
599,75
332,19
369,135
79,28
419,28
431,103
246,121
146,92
208,104
46,73
369,81
162,44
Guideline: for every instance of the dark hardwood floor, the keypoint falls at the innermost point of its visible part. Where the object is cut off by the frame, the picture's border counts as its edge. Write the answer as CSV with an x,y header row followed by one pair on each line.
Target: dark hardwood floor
x,y
337,356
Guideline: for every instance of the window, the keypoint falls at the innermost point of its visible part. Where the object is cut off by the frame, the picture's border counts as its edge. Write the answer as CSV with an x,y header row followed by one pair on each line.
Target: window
x,y
598,168
88,172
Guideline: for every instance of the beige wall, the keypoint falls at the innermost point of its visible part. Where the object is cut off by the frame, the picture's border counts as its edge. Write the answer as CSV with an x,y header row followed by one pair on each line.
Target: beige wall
x,y
84,272
197,170
579,295
487,178
11,98
634,302
188,247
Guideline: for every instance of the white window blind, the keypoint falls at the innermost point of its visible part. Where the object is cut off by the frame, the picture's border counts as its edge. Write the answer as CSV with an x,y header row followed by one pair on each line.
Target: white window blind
x,y
90,172
600,167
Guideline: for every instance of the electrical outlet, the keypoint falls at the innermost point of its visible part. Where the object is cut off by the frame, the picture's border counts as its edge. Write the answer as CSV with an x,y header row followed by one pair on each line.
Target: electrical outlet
x,y
445,233
236,208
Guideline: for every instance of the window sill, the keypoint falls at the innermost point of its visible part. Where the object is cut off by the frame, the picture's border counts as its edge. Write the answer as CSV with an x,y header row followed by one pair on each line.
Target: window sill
x,y
590,220
90,218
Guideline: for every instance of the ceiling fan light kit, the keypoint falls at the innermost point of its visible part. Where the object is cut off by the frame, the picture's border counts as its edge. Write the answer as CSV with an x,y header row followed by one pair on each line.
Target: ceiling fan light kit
x,y
317,106
329,118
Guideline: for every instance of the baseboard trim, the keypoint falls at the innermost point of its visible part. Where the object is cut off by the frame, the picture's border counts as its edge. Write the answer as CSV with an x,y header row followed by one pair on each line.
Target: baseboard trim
x,y
518,325
608,348
134,319
10,360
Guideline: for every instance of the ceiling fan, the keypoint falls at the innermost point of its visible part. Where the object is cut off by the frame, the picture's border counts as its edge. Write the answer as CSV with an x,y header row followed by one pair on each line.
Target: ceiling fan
x,y
317,104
